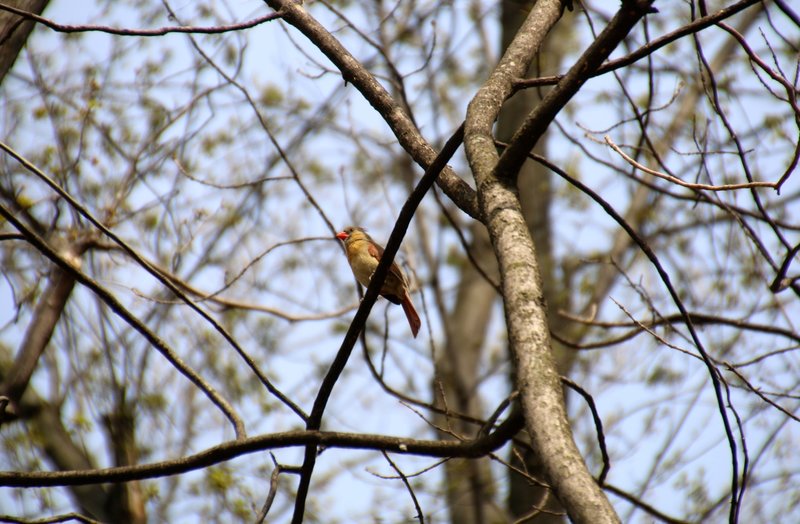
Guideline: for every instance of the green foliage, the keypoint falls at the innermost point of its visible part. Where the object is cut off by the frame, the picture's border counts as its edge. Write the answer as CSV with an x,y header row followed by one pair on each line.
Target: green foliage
x,y
219,479
271,96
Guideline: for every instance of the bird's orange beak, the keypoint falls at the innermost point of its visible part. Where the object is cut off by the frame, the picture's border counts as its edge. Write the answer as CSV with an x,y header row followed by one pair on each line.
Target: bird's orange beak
x,y
341,235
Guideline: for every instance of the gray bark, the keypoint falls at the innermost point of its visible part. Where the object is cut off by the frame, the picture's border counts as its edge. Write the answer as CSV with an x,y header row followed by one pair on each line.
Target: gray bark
x,y
534,183
524,305
14,31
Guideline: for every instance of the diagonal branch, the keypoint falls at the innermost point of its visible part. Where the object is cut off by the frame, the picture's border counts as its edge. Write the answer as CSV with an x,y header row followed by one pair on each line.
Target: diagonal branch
x,y
360,319
401,124
554,101
110,300
650,47
713,372
14,32
45,317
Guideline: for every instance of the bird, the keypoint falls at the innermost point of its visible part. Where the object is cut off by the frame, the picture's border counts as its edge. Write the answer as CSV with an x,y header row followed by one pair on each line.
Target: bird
x,y
363,254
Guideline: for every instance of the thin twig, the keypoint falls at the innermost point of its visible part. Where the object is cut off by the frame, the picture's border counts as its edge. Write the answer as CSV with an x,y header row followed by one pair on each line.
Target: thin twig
x,y
647,508
757,391
420,515
678,181
598,425
273,486
160,277
64,28
111,301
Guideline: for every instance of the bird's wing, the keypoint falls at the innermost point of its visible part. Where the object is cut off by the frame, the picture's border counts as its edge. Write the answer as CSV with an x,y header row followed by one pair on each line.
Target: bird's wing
x,y
374,250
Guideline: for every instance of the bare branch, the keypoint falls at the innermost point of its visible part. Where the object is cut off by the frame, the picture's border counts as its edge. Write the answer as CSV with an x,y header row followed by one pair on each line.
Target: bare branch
x,y
690,185
647,508
401,124
665,279
47,314
66,517
273,487
229,450
495,175
420,514
651,47
62,28
154,271
128,317
598,426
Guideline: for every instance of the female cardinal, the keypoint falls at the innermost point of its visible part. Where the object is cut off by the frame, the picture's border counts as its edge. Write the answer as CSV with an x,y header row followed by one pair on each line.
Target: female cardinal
x,y
363,255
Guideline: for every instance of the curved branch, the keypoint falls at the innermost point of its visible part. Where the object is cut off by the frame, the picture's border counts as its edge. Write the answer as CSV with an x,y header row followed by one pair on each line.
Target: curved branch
x,y
542,396
314,421
713,372
408,136
478,447
117,307
64,28
638,327
147,266
598,426
689,185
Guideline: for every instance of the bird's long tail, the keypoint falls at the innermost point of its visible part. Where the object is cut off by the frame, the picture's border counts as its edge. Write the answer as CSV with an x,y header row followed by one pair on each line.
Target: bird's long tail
x,y
411,314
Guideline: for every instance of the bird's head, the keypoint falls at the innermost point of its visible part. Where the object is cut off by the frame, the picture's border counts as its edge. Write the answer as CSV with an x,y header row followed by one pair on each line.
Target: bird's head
x,y
352,233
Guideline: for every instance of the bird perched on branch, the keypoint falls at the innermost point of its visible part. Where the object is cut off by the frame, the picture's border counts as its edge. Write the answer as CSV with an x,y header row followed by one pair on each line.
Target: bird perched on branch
x,y
363,254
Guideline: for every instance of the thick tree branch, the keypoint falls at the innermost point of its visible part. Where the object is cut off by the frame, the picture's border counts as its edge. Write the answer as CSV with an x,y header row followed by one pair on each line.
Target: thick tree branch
x,y
554,101
14,31
45,317
537,376
401,124
526,320
478,447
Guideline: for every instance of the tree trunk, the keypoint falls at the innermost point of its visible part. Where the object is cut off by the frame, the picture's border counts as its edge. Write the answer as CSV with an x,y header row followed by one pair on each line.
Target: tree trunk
x,y
538,380
14,31
470,494
534,184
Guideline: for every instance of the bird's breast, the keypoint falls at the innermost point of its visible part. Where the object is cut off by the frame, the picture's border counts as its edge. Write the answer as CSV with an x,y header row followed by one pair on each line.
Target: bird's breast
x,y
362,263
